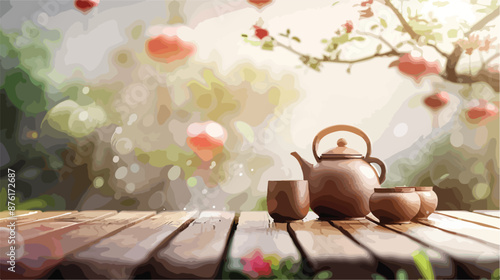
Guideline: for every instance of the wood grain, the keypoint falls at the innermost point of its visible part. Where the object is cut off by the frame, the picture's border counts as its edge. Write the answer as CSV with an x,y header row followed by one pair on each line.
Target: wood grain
x,y
18,213
473,217
484,234
120,256
327,248
394,251
36,217
259,246
472,258
51,224
42,253
492,213
197,251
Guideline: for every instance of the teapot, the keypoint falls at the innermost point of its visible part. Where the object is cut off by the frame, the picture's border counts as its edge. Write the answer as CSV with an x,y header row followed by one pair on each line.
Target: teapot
x,y
342,181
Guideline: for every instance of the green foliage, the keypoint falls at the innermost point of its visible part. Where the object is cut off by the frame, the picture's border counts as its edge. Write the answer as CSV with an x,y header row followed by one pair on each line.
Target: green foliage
x,y
325,274
496,274
489,8
423,264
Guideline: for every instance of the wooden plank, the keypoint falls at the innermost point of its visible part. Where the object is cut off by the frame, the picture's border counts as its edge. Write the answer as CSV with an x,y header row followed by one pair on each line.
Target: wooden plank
x,y
492,213
51,224
484,234
394,251
472,258
327,248
260,247
18,213
473,217
121,255
197,251
36,217
43,253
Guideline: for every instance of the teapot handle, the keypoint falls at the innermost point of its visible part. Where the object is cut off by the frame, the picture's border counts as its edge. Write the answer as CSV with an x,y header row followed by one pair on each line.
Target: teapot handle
x,y
381,177
341,127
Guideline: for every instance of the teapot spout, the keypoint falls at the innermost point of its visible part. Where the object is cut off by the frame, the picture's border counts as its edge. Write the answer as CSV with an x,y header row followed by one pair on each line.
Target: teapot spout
x,y
304,164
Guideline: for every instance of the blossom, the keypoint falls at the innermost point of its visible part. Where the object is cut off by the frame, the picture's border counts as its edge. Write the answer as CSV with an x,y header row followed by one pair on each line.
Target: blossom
x,y
437,100
366,13
256,265
364,3
481,110
417,67
348,26
167,49
469,44
260,32
486,43
260,3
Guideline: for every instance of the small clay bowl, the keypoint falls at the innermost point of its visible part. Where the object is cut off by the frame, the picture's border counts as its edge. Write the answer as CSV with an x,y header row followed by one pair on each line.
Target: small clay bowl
x,y
395,205
428,202
288,200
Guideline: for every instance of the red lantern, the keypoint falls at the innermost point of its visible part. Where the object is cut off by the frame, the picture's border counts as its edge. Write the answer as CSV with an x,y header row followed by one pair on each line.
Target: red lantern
x,y
86,5
167,49
206,139
437,100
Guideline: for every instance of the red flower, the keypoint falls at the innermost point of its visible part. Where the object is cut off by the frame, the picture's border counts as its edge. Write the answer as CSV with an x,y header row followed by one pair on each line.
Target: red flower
x,y
366,13
482,111
348,26
260,32
86,5
417,67
206,139
437,100
167,49
256,266
260,3
364,3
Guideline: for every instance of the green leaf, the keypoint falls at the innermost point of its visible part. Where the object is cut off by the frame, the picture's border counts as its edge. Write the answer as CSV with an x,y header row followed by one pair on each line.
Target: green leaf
x,y
400,28
373,27
244,35
357,39
423,264
379,47
377,276
268,46
288,32
335,3
341,39
496,274
324,41
399,45
296,38
401,274
440,3
452,33
325,274
383,22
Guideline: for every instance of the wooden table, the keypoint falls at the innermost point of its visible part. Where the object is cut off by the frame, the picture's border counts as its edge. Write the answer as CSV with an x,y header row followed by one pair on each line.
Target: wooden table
x,y
104,244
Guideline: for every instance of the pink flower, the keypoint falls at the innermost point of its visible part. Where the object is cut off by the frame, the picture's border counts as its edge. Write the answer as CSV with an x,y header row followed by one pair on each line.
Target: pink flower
x,y
366,13
255,266
364,3
417,67
348,26
437,100
260,32
167,49
486,44
469,44
206,139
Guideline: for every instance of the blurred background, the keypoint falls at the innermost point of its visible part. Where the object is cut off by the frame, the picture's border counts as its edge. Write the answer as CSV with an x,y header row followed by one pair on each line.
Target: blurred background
x,y
171,105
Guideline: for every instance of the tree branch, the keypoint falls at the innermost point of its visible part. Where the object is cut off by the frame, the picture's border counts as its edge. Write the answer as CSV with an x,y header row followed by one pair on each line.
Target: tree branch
x,y
337,60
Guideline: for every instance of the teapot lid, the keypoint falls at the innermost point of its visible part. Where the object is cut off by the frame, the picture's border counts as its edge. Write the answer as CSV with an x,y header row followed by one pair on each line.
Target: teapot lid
x,y
341,152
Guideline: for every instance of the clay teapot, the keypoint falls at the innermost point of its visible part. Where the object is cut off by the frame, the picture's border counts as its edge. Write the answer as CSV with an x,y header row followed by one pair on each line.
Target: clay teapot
x,y
341,183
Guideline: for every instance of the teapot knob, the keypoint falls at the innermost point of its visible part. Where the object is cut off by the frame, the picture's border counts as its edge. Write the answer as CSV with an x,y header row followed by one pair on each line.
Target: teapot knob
x,y
341,142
